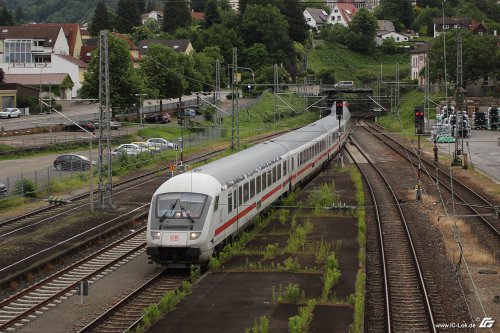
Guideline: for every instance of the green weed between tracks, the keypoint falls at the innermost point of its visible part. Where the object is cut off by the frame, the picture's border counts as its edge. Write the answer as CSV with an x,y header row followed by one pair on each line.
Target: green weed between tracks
x,y
358,299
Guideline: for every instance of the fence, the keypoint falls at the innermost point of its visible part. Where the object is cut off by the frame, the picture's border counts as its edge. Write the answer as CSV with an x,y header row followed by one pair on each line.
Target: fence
x,y
43,177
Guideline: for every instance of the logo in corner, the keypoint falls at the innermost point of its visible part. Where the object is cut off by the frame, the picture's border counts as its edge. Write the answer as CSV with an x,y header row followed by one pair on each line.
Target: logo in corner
x,y
487,322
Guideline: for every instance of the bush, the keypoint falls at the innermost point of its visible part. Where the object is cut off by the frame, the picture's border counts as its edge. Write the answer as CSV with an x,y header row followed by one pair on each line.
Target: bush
x,y
26,187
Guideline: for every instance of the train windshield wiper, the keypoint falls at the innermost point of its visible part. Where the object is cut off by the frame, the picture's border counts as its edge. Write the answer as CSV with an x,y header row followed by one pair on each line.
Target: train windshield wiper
x,y
190,218
170,210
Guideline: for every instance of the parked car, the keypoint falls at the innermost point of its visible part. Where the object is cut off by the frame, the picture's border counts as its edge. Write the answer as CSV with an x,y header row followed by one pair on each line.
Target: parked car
x,y
114,125
72,162
144,146
128,149
163,118
3,189
160,144
10,113
88,125
191,113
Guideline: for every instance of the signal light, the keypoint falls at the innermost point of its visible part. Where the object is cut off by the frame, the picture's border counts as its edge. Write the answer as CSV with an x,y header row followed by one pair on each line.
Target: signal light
x,y
339,108
419,120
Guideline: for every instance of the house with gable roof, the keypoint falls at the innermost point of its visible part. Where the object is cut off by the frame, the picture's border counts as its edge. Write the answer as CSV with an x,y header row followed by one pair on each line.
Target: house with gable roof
x,y
341,13
386,30
315,17
153,15
39,51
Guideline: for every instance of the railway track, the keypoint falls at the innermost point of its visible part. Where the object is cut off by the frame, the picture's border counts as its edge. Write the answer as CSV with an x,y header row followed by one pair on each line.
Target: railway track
x,y
31,302
405,303
480,214
127,313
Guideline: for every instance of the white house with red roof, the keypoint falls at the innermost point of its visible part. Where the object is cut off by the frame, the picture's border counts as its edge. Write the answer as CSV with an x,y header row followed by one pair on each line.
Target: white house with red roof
x,y
341,13
38,50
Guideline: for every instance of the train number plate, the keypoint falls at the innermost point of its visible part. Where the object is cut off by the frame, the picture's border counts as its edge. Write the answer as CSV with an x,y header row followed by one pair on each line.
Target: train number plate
x,y
174,238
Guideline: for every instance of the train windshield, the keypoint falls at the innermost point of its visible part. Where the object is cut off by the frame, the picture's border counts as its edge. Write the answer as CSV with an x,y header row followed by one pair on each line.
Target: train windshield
x,y
180,205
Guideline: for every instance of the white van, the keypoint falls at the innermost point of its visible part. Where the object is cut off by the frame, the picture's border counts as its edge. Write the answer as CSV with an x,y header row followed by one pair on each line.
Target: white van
x,y
344,85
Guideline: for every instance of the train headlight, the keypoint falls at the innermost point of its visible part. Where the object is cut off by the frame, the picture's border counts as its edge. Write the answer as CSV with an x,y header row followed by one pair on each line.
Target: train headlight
x,y
194,235
155,234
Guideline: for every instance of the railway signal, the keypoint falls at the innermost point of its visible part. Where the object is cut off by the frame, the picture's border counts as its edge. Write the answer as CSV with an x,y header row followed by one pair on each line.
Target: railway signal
x,y
339,109
419,120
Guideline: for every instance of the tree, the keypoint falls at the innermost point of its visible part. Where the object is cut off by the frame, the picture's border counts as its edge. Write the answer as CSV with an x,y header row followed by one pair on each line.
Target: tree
x,y
334,33
479,57
256,56
266,25
297,26
244,3
198,5
141,6
423,22
212,15
175,15
163,72
6,17
220,36
127,16
124,81
151,6
101,20
361,36
397,11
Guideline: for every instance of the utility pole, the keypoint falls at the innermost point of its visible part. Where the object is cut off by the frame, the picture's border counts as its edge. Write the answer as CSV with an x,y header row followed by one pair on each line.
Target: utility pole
x,y
276,92
235,122
460,131
217,82
105,186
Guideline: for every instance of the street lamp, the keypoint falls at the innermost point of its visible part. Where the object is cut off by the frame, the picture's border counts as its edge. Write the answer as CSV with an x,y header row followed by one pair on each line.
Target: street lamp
x,y
140,105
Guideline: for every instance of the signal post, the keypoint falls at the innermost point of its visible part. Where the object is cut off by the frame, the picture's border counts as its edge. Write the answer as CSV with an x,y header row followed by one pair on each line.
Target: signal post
x,y
419,130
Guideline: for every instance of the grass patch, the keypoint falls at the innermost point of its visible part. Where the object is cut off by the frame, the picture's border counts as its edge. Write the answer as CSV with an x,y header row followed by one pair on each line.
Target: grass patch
x,y
168,303
300,322
349,65
259,327
358,298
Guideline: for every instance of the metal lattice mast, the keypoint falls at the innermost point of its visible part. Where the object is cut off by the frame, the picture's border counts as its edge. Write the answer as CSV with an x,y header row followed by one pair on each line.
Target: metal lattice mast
x,y
427,108
105,186
276,91
460,110
396,97
235,123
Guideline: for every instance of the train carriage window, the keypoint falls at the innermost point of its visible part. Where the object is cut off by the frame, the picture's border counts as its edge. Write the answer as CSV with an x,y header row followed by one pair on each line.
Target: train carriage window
x,y
278,176
274,174
240,195
269,178
216,203
258,183
252,188
245,192
284,168
229,202
264,181
293,163
235,203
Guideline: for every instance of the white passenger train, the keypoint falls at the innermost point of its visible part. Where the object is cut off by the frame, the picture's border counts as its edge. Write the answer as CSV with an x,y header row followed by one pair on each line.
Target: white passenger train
x,y
196,212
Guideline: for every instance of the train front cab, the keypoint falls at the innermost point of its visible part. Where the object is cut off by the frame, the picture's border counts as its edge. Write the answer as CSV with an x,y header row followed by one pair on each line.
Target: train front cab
x,y
178,232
